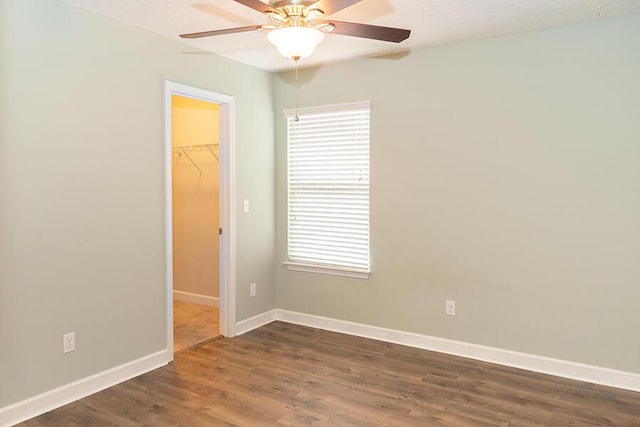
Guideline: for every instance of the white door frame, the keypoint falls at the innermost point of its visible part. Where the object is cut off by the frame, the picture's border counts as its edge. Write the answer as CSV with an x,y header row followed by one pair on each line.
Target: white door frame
x,y
227,206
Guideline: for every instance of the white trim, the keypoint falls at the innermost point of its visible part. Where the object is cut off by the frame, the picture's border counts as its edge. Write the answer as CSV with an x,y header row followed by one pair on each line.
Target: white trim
x,y
168,218
530,362
358,105
52,399
196,298
227,215
227,300
255,322
324,269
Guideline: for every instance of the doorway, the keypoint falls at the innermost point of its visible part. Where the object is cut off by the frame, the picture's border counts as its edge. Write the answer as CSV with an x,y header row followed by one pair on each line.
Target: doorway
x,y
196,256
200,227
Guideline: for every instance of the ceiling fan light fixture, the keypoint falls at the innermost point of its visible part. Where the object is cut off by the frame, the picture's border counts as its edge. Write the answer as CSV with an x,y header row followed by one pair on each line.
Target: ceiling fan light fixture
x,y
296,42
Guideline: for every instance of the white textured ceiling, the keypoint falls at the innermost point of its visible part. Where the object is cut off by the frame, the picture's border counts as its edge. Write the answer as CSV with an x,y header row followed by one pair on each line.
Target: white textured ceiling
x,y
433,22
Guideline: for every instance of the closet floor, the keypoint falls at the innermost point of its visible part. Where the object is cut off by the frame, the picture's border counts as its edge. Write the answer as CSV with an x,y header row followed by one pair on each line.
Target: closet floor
x,y
193,324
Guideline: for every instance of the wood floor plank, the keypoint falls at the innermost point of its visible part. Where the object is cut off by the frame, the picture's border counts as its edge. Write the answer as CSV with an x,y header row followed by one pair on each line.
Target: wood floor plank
x,y
288,375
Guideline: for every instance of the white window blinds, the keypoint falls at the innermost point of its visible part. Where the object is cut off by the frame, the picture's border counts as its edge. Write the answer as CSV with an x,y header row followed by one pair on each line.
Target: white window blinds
x,y
328,175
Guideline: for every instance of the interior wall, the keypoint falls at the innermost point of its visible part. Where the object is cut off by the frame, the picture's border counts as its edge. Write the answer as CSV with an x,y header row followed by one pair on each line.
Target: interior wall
x,y
504,176
82,190
196,196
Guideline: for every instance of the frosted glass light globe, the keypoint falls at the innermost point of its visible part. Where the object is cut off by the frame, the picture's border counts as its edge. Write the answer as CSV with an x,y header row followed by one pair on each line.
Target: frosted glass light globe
x,y
296,42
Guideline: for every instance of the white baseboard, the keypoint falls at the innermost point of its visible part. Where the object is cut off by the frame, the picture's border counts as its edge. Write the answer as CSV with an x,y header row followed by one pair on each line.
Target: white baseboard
x,y
196,298
32,407
256,321
530,362
52,399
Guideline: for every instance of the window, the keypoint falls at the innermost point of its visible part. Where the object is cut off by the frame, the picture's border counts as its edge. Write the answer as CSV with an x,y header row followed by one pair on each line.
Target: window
x,y
328,188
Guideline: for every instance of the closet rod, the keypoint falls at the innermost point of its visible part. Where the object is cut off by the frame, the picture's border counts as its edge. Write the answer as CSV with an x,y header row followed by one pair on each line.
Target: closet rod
x,y
183,149
194,147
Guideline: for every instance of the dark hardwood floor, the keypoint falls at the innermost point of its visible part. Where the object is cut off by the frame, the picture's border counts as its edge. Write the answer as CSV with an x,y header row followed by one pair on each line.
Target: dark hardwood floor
x,y
288,375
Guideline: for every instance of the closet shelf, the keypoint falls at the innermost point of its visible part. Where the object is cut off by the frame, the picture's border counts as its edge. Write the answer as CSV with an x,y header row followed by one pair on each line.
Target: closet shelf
x,y
184,149
194,147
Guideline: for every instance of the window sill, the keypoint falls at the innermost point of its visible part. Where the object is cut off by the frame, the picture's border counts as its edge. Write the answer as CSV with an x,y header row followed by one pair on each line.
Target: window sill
x,y
324,269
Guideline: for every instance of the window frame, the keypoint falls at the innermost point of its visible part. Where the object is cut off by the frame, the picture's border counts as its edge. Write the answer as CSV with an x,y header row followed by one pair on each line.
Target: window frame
x,y
311,267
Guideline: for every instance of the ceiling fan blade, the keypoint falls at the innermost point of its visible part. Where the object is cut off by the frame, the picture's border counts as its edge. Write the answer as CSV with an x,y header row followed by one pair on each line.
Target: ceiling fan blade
x,y
330,7
220,32
257,5
388,34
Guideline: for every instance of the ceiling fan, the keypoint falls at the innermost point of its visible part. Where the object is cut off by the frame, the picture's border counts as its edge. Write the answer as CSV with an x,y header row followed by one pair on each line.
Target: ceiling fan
x,y
298,26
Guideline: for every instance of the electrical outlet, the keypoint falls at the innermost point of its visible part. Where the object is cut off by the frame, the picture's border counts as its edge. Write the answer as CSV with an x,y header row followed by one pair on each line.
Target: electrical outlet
x,y
69,342
450,308
252,289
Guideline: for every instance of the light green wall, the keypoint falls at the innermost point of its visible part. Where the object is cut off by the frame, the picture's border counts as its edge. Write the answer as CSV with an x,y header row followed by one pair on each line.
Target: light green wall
x,y
82,189
505,176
